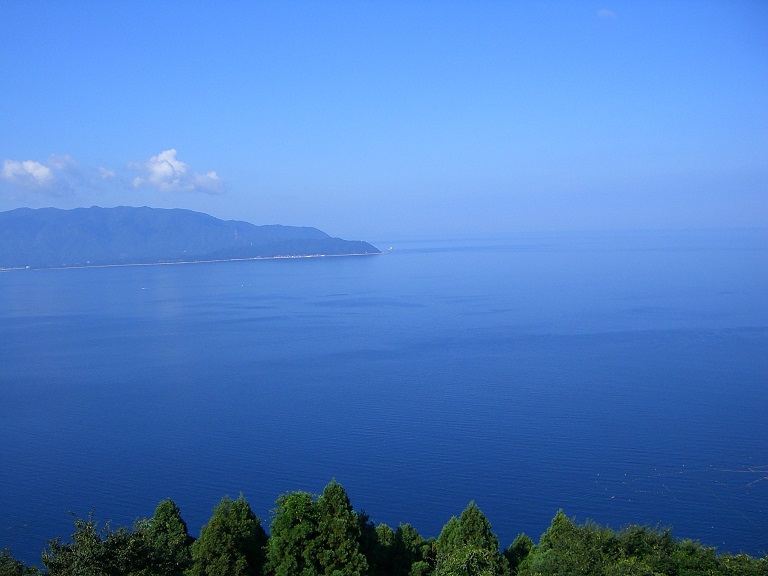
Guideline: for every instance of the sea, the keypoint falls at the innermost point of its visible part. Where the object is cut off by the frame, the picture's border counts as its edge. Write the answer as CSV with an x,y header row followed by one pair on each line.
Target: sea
x,y
619,376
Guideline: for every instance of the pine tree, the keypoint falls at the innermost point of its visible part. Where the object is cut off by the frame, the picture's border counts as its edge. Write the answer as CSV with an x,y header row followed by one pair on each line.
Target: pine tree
x,y
169,540
293,529
9,566
408,550
337,547
467,546
231,544
87,555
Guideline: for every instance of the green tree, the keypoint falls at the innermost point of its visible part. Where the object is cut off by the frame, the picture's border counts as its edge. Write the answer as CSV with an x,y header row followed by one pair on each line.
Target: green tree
x,y
87,555
169,540
648,547
469,561
9,566
566,548
293,529
231,544
130,551
337,546
569,549
100,551
518,551
411,553
475,529
377,545
320,536
467,546
743,565
449,539
692,559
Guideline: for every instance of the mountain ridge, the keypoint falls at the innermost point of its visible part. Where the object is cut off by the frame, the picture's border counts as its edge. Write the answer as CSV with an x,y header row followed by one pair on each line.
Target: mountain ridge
x,y
95,236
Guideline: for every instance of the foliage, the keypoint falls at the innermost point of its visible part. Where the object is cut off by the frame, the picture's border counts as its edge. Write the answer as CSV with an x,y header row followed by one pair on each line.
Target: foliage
x,y
337,546
318,536
411,554
169,540
97,551
449,539
467,546
518,551
323,536
401,552
293,528
231,544
9,566
84,555
377,545
566,548
159,546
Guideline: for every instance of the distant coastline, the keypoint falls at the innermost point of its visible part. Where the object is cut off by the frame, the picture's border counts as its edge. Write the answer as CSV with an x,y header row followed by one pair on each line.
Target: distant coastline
x,y
127,236
183,262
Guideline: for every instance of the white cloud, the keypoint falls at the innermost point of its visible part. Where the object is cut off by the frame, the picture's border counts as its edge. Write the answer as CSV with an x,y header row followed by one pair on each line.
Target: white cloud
x,y
107,174
61,175
28,174
61,161
606,13
167,173
209,182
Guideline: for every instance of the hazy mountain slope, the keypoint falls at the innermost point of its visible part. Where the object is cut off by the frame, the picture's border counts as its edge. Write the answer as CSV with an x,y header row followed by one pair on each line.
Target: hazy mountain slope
x,y
50,237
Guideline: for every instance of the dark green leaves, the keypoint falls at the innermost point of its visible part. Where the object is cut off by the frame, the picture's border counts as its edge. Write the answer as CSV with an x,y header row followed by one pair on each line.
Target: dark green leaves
x,y
468,547
9,566
316,536
324,536
169,540
231,544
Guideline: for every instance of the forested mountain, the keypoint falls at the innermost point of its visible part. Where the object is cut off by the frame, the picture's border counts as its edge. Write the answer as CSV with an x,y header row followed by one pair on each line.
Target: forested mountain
x,y
314,535
50,237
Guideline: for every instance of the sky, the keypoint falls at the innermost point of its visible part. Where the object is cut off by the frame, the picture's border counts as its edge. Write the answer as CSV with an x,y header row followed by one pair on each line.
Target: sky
x,y
392,119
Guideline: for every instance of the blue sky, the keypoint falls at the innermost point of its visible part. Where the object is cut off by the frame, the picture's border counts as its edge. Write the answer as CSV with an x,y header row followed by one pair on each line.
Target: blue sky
x,y
386,120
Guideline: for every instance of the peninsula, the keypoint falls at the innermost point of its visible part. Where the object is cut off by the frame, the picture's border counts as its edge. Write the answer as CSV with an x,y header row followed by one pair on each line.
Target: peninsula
x,y
56,238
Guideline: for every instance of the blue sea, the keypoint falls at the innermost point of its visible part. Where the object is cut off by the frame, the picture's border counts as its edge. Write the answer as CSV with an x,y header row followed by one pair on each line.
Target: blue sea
x,y
622,378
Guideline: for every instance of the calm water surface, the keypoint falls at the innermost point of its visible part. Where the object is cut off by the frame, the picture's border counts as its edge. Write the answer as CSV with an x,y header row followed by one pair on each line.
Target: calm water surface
x,y
620,378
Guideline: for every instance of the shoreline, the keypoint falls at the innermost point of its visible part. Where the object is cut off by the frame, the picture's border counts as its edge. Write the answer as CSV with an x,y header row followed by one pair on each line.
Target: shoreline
x,y
183,262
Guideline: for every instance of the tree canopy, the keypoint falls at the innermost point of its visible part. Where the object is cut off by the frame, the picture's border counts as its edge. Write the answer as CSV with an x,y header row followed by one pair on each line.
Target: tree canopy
x,y
467,546
322,535
316,535
231,544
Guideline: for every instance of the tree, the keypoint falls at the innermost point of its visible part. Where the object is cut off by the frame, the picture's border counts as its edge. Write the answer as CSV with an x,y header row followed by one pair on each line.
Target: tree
x,y
569,549
9,566
377,545
317,536
337,546
692,558
393,552
169,540
100,551
231,544
518,551
449,539
652,547
561,531
130,551
467,546
469,561
293,529
410,552
475,529
87,555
